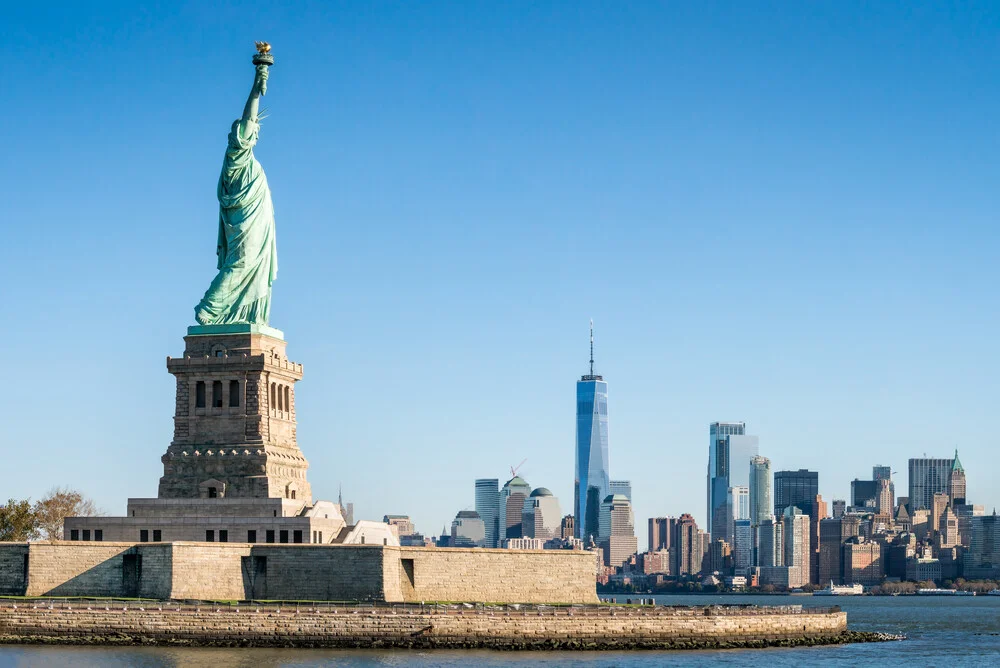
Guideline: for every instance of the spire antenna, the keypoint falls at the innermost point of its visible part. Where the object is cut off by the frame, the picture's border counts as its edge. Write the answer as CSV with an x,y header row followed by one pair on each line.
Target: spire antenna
x,y
591,346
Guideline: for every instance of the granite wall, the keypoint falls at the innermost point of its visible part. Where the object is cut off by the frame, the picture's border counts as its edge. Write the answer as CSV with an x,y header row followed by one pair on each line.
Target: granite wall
x,y
241,571
588,627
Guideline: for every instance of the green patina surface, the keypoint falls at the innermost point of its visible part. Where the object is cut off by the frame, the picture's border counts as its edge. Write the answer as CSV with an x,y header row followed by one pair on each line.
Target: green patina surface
x,y
248,254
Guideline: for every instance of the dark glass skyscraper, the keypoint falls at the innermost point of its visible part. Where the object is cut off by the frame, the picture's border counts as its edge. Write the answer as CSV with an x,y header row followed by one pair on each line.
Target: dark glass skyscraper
x,y
795,488
592,483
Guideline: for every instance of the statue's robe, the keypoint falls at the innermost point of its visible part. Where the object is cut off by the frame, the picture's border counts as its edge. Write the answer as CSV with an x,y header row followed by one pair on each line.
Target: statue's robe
x,y
248,255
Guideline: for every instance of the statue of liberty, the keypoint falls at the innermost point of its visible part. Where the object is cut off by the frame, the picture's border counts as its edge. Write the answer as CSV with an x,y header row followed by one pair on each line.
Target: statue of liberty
x,y
248,255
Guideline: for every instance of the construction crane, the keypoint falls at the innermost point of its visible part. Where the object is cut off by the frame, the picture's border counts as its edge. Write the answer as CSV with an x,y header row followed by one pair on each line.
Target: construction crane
x,y
515,469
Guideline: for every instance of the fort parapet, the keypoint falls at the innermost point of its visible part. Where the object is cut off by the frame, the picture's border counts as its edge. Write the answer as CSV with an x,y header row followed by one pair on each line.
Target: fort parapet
x,y
315,572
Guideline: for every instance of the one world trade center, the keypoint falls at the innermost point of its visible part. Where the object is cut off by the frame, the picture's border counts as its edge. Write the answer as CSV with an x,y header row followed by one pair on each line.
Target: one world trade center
x,y
593,473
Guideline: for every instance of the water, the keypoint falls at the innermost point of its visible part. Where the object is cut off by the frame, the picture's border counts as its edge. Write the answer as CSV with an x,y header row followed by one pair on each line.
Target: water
x,y
942,631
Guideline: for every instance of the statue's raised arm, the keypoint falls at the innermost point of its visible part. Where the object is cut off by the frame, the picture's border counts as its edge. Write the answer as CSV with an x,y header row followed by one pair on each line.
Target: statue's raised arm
x,y
247,253
259,89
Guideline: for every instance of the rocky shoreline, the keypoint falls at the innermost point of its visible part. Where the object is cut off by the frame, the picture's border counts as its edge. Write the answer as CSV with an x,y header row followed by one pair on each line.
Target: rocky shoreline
x,y
121,639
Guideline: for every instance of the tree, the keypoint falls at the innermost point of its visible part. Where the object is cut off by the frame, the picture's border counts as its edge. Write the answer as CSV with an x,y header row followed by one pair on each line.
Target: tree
x,y
61,503
18,522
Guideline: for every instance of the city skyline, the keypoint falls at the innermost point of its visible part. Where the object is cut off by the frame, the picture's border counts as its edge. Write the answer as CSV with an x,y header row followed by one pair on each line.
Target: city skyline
x,y
495,180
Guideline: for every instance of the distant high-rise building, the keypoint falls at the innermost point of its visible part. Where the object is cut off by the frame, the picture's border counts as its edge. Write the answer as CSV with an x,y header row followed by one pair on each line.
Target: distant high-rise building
x,y
927,478
920,523
705,542
795,488
512,500
948,535
400,524
617,530
623,487
863,563
885,502
880,472
730,450
797,546
965,513
760,489
742,546
542,515
833,534
720,557
956,482
770,543
982,561
817,513
488,507
839,506
687,547
737,508
939,502
566,528
760,501
592,483
864,493
660,533
467,530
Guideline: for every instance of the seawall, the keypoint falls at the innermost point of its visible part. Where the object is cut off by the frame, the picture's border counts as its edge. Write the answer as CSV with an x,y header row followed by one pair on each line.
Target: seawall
x,y
430,626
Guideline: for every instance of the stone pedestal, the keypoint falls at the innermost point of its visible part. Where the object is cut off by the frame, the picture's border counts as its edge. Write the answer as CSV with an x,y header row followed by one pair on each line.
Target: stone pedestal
x,y
234,418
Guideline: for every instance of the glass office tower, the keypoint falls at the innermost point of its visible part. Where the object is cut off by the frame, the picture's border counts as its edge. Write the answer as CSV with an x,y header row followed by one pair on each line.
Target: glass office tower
x,y
760,490
488,507
795,488
730,450
623,487
592,483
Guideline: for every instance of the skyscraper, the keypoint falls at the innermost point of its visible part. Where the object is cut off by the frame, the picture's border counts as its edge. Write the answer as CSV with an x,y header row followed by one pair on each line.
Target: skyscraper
x,y
834,533
512,499
938,504
798,556
839,506
688,549
760,490
817,513
467,530
880,472
956,482
927,478
623,487
542,515
488,507
795,488
592,483
742,546
737,508
566,527
661,532
864,493
983,557
770,543
617,530
730,450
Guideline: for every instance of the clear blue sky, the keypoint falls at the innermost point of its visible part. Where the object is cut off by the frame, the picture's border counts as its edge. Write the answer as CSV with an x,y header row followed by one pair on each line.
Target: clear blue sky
x,y
783,213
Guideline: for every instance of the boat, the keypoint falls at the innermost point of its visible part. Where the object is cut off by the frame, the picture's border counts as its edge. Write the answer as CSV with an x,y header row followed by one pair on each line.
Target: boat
x,y
944,592
993,592
840,590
